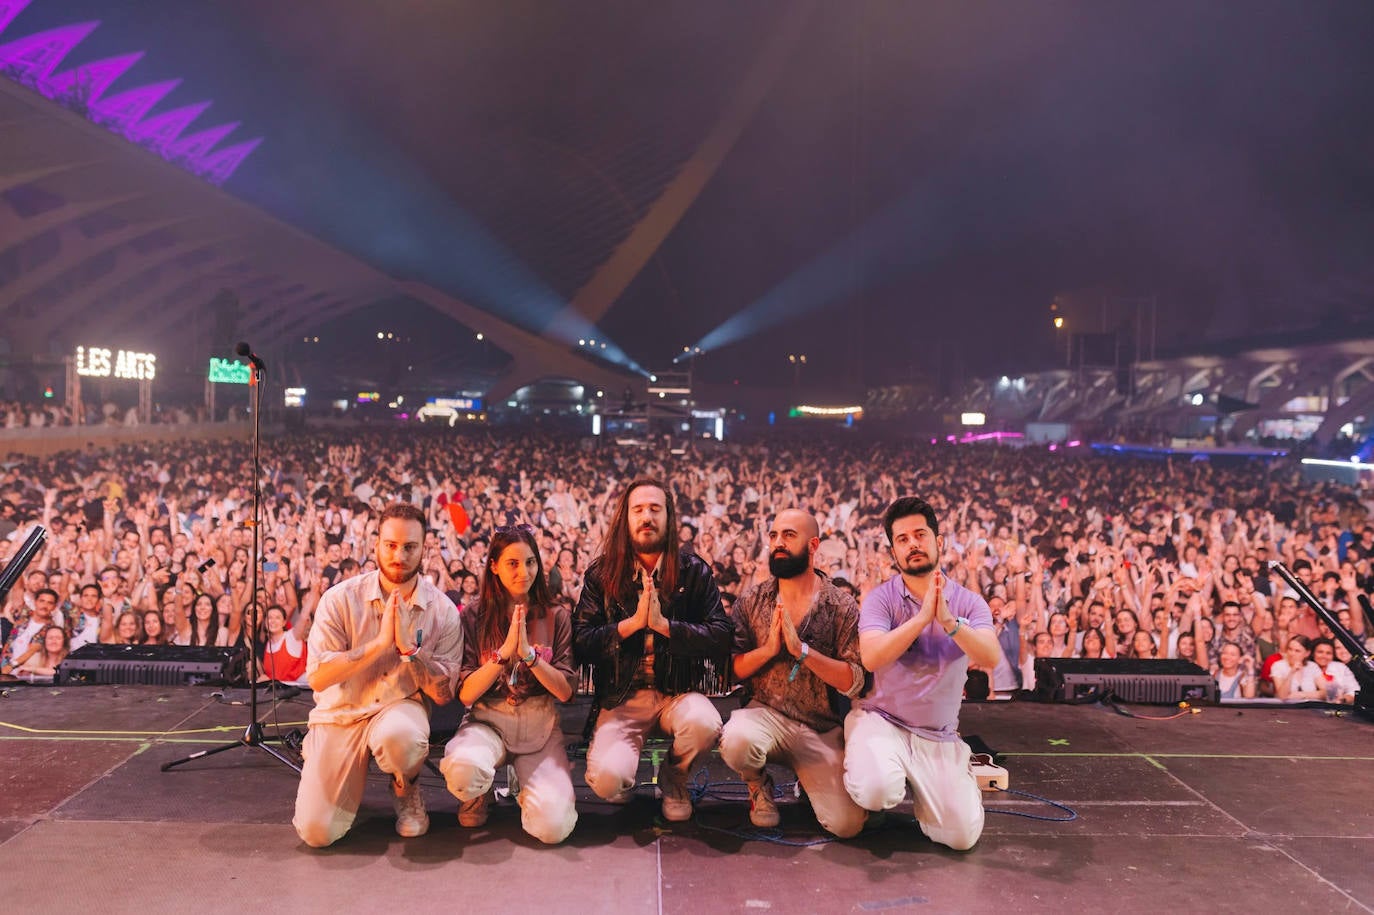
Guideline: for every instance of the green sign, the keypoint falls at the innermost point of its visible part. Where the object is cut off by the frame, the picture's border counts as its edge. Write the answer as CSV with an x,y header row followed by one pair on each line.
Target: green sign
x,y
228,371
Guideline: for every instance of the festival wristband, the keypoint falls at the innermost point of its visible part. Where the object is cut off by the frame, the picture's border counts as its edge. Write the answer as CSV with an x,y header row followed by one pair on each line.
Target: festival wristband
x,y
796,668
959,622
419,638
530,659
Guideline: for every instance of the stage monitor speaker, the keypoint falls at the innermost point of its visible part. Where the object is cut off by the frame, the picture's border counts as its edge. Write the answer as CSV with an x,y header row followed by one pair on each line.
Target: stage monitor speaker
x,y
1128,679
157,665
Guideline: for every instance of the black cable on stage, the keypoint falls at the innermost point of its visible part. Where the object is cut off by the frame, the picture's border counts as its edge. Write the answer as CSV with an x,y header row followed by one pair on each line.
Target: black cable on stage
x,y
701,787
1072,814
1184,711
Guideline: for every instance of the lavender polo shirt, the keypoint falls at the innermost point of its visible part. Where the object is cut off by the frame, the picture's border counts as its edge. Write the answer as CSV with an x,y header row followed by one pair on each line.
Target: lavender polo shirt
x,y
922,689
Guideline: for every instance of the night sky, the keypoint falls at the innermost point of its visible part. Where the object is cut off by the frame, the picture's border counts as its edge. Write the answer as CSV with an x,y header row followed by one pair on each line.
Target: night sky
x,y
919,183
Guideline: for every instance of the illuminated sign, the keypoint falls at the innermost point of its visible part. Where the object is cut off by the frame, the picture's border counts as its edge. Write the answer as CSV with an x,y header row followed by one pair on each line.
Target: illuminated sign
x,y
471,404
99,362
972,419
368,397
295,397
807,410
228,371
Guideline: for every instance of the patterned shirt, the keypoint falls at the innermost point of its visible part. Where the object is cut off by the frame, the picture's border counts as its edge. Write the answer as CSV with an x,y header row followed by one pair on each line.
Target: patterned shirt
x,y
830,627
1242,637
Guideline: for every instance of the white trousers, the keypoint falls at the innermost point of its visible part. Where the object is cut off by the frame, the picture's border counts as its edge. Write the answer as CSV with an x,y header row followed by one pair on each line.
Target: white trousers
x,y
757,735
335,770
547,805
613,757
881,759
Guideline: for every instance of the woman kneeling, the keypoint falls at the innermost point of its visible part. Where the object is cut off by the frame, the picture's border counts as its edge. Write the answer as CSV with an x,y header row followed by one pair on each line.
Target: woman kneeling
x,y
517,661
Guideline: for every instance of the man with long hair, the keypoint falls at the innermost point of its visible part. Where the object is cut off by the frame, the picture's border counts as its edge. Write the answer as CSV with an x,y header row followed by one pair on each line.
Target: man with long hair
x,y
383,647
918,633
649,618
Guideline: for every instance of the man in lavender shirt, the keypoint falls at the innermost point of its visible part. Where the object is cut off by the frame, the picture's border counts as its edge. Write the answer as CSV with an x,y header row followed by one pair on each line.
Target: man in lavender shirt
x,y
918,633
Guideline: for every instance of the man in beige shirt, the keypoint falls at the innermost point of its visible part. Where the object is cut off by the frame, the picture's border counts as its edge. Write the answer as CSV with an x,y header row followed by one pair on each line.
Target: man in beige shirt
x,y
384,646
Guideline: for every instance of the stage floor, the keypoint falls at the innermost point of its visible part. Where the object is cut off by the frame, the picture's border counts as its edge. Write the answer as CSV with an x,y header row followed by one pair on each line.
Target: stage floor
x,y
1254,810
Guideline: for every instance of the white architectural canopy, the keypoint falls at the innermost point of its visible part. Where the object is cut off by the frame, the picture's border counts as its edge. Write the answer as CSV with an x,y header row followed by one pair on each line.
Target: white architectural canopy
x,y
102,239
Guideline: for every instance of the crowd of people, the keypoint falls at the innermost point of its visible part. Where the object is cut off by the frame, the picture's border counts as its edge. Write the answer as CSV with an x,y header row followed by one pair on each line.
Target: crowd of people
x,y
1077,554
47,414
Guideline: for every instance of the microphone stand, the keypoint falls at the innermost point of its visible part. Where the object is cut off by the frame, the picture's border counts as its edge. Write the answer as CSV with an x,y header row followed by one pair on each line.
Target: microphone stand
x,y
21,559
253,736
1361,660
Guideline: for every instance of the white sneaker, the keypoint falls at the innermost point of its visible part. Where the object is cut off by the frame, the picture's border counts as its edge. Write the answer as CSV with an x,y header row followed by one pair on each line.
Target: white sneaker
x,y
763,812
411,818
677,799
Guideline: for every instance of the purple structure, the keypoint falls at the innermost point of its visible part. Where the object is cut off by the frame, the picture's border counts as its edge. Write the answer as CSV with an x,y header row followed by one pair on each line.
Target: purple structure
x,y
122,110
9,9
30,60
218,166
88,82
158,131
197,146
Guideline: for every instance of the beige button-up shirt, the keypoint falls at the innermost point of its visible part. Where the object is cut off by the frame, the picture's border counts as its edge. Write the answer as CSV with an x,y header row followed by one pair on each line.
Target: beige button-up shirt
x,y
349,615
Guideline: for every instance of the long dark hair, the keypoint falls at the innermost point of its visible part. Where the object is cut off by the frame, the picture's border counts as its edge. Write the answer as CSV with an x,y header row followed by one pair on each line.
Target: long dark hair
x,y
211,626
618,554
494,601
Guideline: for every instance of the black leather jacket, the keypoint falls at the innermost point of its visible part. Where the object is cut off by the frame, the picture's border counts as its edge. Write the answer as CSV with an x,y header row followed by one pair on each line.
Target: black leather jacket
x,y
701,632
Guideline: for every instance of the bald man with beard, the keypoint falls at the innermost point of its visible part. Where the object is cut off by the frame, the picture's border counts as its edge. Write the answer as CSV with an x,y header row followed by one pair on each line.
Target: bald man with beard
x,y
796,652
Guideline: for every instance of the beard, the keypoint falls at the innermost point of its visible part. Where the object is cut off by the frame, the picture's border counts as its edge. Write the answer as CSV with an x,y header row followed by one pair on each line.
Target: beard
x,y
917,565
649,541
789,565
406,573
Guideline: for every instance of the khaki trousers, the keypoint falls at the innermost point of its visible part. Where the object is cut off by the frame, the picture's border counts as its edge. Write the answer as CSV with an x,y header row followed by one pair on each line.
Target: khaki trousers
x,y
613,757
757,735
335,770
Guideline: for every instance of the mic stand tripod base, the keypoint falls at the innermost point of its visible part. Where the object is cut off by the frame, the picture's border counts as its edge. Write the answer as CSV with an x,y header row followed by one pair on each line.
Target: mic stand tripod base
x,y
253,737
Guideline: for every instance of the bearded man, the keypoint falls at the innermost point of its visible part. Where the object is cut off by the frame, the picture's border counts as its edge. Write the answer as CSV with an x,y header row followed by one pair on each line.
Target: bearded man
x,y
918,632
384,647
797,654
649,618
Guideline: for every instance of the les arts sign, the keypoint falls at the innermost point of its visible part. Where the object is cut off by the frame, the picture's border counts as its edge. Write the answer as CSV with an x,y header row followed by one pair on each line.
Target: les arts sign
x,y
99,362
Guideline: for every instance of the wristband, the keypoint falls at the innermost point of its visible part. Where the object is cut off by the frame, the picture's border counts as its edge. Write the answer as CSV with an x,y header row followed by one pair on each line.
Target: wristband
x,y
495,658
530,659
959,622
407,655
796,668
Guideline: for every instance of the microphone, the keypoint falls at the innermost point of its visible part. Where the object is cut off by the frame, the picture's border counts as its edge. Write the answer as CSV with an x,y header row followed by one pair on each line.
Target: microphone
x,y
243,349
